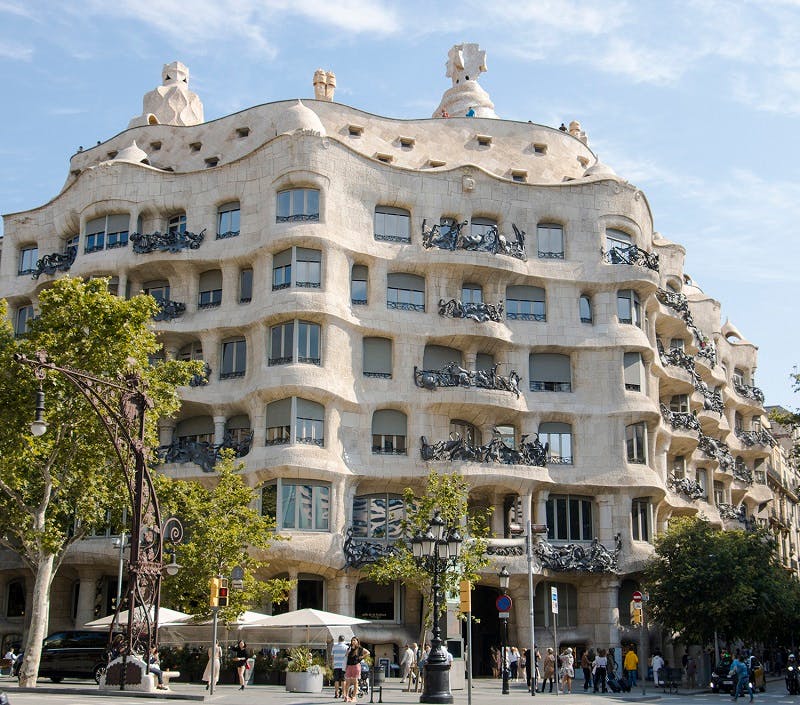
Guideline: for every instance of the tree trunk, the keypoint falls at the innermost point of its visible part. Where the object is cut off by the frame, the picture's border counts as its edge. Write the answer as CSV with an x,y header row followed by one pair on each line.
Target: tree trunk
x,y
40,615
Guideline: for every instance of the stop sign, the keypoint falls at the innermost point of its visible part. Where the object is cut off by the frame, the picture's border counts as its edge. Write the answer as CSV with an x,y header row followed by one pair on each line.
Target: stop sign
x,y
637,599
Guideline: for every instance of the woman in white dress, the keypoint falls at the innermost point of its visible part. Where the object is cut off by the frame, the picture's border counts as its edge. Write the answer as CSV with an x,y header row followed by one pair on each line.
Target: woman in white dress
x,y
217,662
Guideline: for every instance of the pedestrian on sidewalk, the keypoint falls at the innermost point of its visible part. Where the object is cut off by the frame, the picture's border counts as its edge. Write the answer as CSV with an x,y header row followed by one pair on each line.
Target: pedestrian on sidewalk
x,y
741,674
600,670
548,669
567,670
586,666
631,666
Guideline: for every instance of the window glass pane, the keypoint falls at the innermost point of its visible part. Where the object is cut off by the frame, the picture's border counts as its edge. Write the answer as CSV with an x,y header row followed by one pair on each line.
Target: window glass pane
x,y
304,506
561,518
574,519
288,505
585,309
284,204
394,517
269,501
360,516
586,517
246,285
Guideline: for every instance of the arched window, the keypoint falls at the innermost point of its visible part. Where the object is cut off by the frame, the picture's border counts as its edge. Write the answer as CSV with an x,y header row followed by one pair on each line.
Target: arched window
x,y
389,432
551,240
471,294
641,519
297,504
298,204
437,357
629,310
377,354
228,219
210,289
295,341
392,224
550,372
633,371
525,303
405,292
636,443
25,314
28,257
234,358
585,308
359,278
176,225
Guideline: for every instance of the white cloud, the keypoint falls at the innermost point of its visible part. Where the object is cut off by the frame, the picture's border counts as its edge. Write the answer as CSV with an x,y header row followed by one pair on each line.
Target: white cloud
x,y
15,50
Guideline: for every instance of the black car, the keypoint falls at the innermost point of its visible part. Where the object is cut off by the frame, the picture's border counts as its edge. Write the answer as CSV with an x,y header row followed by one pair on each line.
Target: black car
x,y
74,654
721,682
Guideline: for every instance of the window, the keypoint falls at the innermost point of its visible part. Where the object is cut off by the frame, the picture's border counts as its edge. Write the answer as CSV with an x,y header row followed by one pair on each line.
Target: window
x,y
471,294
633,371
389,432
15,602
234,358
392,224
508,435
310,592
569,518
405,292
197,429
551,241
310,422
297,504
525,303
437,357
228,217
677,344
110,231
738,377
210,289
679,466
585,308
298,204
28,257
359,276
465,430
192,351
309,268
628,307
378,603
245,286
177,224
719,493
377,357
282,270
640,519
549,372
481,227
702,480
679,403
283,344
617,244
484,362
158,289
238,430
279,422
567,616
558,437
378,516
25,314
636,442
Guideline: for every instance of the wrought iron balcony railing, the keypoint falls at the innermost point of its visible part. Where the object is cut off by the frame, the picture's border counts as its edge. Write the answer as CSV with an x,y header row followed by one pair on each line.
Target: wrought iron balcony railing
x,y
405,306
451,236
201,379
543,386
203,453
454,375
680,304
677,358
298,218
631,254
717,450
589,557
747,391
227,234
168,310
170,241
359,552
384,450
495,451
680,419
380,237
479,312
55,262
753,438
232,374
683,485
378,375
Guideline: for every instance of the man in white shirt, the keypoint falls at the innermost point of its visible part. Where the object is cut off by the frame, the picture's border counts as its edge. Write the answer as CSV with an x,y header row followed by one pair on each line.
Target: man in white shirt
x,y
406,662
339,654
658,664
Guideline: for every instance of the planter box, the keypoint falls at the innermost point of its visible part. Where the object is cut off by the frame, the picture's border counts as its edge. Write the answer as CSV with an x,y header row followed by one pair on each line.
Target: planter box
x,y
303,682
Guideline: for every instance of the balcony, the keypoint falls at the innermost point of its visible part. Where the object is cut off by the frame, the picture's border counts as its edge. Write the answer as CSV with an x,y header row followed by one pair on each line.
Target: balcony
x,y
405,306
716,450
680,419
546,386
298,218
203,453
55,262
747,391
450,236
756,438
171,241
685,486
680,304
454,375
475,311
632,255
495,451
227,234
586,557
168,310
201,379
360,552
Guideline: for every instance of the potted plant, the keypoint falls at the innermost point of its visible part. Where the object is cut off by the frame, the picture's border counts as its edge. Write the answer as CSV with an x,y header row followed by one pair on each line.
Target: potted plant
x,y
302,674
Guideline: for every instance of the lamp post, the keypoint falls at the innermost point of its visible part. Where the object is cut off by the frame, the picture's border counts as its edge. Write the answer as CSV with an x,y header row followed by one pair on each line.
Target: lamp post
x,y
504,576
436,550
121,406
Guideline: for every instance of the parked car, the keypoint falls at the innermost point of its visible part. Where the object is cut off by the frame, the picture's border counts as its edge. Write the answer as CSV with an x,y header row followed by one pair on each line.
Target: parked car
x,y
74,654
721,682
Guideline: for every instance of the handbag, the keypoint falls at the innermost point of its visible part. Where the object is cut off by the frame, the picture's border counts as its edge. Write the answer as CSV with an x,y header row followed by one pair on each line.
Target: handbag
x,y
247,666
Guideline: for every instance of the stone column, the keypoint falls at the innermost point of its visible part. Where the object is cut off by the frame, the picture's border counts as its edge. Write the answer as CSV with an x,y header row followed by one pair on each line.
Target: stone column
x,y
219,429
606,611
166,431
230,285
86,597
122,284
340,593
293,593
605,519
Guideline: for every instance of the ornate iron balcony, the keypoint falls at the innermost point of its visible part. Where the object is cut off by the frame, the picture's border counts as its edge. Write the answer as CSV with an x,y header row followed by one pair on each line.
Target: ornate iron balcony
x,y
683,485
308,360
361,552
298,218
201,379
392,238
717,450
515,316
680,304
541,386
232,374
381,450
308,285
278,287
358,302
279,361
631,254
747,391
309,440
479,312
171,241
55,262
678,358
279,441
203,453
550,255
680,419
580,558
404,306
378,375
455,376
168,310
558,460
752,438
742,473
227,234
505,547
732,513
495,451
449,236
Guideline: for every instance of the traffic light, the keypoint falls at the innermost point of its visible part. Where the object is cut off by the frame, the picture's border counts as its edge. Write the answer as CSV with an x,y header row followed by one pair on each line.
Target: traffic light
x,y
636,614
465,594
213,586
222,592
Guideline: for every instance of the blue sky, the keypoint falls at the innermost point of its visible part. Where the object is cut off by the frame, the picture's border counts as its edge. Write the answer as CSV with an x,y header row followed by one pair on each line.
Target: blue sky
x,y
696,103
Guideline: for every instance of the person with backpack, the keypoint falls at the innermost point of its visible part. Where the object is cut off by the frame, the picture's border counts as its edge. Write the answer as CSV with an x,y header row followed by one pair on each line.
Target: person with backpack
x,y
741,673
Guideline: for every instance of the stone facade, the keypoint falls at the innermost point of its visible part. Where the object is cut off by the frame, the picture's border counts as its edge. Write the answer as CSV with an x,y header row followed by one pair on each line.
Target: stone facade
x,y
321,215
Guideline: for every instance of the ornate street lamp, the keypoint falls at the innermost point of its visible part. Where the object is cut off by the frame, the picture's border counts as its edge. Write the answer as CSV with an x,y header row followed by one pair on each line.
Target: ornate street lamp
x,y
436,551
121,406
504,577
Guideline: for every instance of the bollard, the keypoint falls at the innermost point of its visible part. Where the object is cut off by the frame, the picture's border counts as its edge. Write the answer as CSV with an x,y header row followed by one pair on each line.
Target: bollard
x,y
380,694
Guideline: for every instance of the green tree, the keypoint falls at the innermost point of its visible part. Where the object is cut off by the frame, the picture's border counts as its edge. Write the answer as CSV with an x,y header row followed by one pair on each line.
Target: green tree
x,y
448,494
222,531
56,488
703,579
790,419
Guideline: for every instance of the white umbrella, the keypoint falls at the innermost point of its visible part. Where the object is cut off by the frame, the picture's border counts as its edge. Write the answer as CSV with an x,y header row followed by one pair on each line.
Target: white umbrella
x,y
165,618
322,624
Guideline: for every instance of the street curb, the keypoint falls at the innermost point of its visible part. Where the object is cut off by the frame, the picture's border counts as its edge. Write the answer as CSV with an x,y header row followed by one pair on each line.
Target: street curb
x,y
161,695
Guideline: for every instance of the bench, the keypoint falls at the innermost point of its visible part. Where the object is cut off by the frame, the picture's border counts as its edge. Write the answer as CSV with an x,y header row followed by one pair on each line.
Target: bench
x,y
671,679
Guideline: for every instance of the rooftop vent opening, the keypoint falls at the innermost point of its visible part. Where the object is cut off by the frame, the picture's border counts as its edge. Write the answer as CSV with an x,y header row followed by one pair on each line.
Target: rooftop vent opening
x,y
155,146
407,142
385,158
195,146
434,163
242,131
539,148
519,175
113,153
355,130
212,161
484,140
584,162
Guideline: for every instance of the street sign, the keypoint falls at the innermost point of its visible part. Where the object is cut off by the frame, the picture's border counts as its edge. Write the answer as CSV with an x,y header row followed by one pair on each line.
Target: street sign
x,y
503,615
637,600
503,603
554,600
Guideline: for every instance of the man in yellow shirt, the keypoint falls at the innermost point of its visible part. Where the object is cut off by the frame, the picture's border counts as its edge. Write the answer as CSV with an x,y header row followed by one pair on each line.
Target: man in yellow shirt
x,y
631,666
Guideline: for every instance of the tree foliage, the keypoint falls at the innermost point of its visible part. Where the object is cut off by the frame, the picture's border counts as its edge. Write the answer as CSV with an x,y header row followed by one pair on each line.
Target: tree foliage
x,y
56,488
448,494
222,531
703,579
790,419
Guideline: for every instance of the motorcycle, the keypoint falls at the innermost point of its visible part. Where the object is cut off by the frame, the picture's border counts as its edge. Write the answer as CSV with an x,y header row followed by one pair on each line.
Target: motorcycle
x,y
792,679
